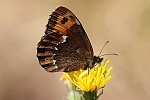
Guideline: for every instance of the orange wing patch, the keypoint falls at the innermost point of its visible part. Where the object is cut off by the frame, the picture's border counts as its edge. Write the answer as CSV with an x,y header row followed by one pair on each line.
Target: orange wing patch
x,y
64,23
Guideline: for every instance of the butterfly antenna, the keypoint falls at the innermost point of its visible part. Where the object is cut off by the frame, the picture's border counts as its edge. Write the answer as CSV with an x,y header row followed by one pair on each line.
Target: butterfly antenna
x,y
109,54
103,48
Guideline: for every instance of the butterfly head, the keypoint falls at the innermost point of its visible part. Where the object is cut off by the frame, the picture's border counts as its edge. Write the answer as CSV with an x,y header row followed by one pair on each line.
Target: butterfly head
x,y
97,59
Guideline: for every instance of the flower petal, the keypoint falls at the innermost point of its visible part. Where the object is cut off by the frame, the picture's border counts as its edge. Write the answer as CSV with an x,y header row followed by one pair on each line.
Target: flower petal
x,y
90,79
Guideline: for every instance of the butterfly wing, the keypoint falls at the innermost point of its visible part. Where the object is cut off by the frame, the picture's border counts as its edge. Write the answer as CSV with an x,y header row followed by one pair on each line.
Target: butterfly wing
x,y
65,45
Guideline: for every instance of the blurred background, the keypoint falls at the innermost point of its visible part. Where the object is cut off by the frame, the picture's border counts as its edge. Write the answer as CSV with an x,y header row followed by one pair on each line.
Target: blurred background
x,y
125,23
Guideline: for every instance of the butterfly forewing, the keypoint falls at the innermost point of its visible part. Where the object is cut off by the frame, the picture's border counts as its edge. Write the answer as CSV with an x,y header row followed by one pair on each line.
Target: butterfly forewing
x,y
65,45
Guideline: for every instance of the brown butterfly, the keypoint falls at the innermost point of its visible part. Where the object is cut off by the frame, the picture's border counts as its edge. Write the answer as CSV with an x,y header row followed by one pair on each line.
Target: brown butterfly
x,y
65,46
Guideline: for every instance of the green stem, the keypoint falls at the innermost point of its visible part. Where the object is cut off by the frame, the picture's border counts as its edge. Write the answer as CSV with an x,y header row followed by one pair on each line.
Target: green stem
x,y
90,95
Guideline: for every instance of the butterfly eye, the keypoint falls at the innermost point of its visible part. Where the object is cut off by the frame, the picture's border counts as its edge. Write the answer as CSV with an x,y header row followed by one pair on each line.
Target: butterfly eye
x,y
64,20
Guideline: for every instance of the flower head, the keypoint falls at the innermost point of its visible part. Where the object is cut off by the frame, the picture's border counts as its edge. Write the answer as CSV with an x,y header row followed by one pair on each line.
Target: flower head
x,y
90,79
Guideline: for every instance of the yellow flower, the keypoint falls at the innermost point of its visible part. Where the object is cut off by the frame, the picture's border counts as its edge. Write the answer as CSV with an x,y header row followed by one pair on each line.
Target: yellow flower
x,y
90,79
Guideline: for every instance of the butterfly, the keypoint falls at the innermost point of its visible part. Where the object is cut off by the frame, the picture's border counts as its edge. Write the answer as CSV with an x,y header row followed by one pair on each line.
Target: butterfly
x,y
65,47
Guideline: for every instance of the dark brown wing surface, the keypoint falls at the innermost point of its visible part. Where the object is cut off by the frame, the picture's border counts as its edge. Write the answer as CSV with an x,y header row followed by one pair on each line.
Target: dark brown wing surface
x,y
65,45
